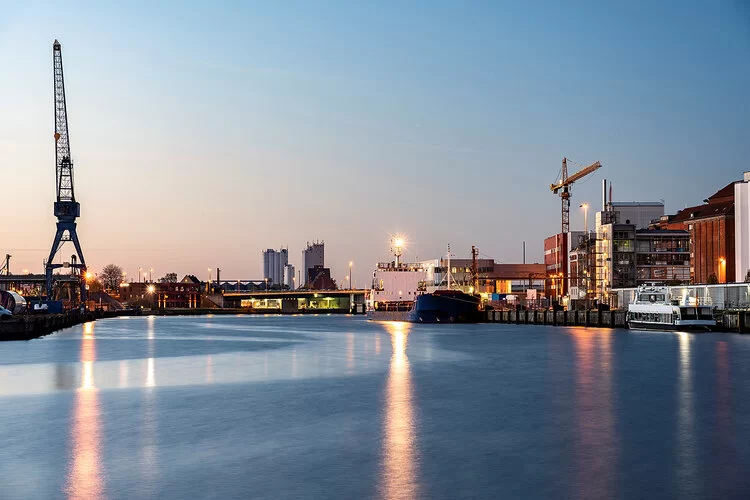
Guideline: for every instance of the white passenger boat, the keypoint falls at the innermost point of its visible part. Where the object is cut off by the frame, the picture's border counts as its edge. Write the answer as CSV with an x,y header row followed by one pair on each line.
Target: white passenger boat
x,y
653,310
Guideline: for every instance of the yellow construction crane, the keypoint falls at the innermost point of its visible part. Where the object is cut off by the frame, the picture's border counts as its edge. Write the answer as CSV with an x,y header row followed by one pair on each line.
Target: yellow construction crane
x,y
564,188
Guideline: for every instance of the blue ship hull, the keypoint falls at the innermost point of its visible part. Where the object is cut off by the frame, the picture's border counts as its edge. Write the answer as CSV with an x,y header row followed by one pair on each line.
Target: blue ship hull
x,y
446,306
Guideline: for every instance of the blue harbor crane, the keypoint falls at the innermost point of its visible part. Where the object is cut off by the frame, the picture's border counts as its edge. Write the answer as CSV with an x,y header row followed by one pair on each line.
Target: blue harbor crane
x,y
67,209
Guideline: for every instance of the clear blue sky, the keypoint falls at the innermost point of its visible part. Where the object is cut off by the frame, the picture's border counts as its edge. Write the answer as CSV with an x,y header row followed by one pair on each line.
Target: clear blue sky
x,y
202,135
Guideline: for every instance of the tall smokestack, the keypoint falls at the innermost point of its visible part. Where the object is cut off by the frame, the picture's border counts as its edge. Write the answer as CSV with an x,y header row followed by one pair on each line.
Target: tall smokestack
x,y
604,195
610,193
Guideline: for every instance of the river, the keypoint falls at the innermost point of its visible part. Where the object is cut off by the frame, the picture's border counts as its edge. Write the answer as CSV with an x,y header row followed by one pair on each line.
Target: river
x,y
339,407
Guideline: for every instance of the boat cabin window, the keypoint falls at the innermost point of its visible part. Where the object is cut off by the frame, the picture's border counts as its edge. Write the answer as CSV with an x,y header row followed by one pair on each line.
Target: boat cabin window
x,y
655,297
651,317
688,313
705,313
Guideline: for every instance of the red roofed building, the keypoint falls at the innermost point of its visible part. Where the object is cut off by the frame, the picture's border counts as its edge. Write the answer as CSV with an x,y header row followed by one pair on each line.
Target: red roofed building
x,y
711,228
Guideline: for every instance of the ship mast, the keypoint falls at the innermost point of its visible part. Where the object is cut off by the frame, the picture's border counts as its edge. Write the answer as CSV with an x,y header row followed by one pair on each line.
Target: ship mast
x,y
449,266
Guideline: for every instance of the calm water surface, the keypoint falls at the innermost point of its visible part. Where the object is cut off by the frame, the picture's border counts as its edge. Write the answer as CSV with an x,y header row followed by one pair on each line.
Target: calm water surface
x,y
338,407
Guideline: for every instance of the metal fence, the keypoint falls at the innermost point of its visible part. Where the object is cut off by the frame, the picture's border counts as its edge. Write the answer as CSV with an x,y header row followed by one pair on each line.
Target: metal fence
x,y
729,296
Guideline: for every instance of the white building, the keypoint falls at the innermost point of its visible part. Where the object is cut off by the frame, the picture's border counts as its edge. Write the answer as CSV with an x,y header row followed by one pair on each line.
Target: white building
x,y
638,213
289,280
313,255
273,266
742,227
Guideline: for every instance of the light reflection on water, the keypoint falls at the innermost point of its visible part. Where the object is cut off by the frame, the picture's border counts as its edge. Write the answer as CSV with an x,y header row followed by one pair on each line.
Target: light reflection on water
x,y
85,477
596,440
686,466
117,431
400,458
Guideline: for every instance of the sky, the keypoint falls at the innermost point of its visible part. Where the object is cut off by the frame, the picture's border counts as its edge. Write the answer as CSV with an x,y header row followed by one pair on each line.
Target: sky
x,y
203,133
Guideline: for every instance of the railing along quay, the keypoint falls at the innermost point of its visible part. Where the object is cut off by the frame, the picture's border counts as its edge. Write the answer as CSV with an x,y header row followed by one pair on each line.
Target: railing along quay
x,y
727,321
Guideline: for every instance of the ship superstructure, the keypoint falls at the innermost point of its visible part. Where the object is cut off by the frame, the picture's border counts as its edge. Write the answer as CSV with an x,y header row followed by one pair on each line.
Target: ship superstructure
x,y
395,286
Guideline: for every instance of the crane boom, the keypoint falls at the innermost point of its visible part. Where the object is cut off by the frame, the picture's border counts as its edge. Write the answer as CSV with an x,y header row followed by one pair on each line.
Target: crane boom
x,y
577,176
63,162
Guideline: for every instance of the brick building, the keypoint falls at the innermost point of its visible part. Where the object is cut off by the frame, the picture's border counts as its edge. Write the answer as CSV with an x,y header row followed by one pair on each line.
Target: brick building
x,y
556,262
712,236
185,295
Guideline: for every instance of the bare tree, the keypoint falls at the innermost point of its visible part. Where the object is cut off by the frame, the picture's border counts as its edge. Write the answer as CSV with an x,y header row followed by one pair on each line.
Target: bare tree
x,y
111,276
95,285
169,278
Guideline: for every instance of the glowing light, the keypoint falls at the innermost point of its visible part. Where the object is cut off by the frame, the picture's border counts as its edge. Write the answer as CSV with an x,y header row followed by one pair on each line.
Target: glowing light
x,y
151,289
399,242
89,275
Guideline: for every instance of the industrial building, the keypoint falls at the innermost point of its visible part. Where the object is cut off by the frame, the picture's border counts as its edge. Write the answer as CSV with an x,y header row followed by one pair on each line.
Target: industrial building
x,y
274,263
185,294
557,262
712,236
313,255
742,228
319,278
289,277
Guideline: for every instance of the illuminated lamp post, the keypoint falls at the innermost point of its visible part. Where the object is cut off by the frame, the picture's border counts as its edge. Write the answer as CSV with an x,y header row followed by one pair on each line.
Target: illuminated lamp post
x,y
350,275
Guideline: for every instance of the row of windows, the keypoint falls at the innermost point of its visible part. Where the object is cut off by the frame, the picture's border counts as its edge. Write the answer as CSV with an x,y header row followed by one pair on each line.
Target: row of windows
x,y
651,317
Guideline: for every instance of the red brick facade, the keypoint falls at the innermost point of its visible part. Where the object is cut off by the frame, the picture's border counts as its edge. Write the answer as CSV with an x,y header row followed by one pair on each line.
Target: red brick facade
x,y
712,249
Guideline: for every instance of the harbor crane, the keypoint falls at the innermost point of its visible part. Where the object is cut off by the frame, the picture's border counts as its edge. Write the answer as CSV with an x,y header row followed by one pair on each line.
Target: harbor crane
x,y
66,208
563,187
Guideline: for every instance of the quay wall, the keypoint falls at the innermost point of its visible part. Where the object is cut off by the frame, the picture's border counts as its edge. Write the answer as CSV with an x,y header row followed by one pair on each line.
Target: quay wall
x,y
727,321
606,319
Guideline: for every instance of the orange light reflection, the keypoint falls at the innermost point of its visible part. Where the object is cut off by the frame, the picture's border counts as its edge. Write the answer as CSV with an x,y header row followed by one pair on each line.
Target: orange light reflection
x,y
596,439
85,477
399,446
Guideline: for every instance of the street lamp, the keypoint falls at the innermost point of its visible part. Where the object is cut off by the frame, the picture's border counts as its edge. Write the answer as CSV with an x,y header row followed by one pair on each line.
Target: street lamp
x,y
151,275
140,269
350,275
585,207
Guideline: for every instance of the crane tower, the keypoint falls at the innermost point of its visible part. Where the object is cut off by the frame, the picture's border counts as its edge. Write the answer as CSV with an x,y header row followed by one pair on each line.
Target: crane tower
x,y
67,209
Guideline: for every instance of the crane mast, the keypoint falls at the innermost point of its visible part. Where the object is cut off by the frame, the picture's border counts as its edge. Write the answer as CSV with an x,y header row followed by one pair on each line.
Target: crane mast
x,y
66,208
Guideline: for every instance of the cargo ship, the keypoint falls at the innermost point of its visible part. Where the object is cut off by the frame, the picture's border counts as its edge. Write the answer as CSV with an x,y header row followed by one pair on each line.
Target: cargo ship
x,y
449,304
446,306
395,286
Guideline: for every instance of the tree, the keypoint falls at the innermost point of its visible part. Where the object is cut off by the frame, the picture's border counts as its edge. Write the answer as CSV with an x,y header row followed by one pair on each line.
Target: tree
x,y
95,285
169,278
111,276
713,280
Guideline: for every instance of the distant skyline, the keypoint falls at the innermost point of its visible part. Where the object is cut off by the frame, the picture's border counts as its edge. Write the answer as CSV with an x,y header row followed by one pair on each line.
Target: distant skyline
x,y
203,135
